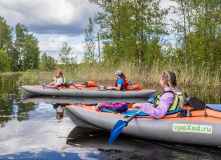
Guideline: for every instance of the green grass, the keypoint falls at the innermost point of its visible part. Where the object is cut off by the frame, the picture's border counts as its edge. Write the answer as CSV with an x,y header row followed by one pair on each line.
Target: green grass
x,y
145,76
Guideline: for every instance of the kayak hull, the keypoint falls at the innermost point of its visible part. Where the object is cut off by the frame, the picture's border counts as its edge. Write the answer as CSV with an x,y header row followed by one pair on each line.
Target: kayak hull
x,y
166,129
88,92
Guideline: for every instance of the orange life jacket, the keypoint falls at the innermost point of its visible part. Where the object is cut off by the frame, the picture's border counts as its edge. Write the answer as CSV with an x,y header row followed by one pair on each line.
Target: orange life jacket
x,y
124,85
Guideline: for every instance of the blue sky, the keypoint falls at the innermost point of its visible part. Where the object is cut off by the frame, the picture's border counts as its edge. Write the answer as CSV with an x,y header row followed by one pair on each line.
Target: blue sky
x,y
54,22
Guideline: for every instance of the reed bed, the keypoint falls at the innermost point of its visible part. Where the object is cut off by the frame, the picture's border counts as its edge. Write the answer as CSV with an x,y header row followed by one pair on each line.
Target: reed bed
x,y
144,75
196,82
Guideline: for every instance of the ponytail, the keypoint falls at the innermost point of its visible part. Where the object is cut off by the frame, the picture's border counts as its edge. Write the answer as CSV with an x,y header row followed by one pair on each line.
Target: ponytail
x,y
122,75
170,79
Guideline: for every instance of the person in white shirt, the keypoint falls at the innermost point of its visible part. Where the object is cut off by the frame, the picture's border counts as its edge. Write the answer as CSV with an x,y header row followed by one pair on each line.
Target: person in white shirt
x,y
59,79
59,109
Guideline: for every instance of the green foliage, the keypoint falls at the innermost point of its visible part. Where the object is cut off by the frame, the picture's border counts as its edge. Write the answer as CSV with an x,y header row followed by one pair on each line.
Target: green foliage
x,y
28,50
21,32
23,52
4,62
5,34
6,44
48,63
89,55
198,32
131,30
66,56
31,53
30,77
134,31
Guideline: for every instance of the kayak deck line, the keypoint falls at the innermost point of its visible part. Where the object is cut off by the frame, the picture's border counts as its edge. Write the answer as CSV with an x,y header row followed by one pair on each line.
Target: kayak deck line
x,y
197,115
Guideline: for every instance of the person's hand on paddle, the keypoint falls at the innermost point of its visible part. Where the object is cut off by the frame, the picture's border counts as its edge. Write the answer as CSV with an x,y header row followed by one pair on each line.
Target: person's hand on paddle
x,y
111,88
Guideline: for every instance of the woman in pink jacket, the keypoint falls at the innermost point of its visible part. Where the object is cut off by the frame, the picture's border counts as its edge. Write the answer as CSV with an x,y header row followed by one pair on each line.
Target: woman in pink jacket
x,y
168,82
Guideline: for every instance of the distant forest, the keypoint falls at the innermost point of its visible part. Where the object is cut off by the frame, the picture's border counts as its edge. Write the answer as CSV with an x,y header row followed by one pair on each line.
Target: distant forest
x,y
133,31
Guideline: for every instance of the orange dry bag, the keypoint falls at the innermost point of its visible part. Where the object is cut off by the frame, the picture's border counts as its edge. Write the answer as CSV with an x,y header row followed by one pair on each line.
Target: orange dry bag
x,y
90,84
135,86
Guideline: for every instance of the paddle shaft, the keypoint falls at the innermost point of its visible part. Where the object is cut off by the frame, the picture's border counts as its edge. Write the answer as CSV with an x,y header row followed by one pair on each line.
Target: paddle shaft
x,y
127,121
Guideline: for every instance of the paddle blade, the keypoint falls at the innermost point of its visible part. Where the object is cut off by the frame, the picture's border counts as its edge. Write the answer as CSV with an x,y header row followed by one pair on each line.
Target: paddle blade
x,y
197,103
116,130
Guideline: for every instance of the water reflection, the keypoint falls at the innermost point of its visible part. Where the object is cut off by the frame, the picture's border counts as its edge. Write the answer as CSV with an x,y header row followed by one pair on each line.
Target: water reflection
x,y
29,129
67,100
12,110
124,148
39,134
60,110
129,148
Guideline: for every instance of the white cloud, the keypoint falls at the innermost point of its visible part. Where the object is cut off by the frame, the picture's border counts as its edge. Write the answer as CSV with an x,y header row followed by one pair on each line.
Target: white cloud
x,y
57,21
51,16
167,3
59,39
78,48
49,47
54,45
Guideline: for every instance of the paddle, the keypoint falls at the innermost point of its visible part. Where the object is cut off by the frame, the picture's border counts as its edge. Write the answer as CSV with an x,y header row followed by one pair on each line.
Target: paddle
x,y
53,87
43,85
118,127
195,102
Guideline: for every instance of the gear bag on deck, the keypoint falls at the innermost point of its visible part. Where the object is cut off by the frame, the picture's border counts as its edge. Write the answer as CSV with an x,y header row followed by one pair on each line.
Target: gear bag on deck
x,y
113,108
90,84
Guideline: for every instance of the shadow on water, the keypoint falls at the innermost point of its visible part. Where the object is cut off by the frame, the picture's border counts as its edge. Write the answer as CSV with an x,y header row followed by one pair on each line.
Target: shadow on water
x,y
29,129
129,148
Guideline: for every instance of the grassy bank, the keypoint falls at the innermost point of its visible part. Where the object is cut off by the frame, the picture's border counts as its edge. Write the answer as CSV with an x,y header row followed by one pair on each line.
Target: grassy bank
x,y
144,75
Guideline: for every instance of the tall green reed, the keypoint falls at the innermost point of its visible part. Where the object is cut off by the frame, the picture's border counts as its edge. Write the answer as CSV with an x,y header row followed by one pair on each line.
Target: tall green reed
x,y
144,75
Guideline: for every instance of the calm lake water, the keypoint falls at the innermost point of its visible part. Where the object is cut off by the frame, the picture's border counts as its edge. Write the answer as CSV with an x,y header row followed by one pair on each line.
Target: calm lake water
x,y
30,130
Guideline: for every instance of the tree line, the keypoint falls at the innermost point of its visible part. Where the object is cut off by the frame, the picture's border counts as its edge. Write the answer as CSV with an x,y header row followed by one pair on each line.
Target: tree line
x,y
139,31
136,31
19,50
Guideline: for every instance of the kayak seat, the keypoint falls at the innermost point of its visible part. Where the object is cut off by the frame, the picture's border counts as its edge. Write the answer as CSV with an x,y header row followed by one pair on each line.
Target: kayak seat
x,y
129,113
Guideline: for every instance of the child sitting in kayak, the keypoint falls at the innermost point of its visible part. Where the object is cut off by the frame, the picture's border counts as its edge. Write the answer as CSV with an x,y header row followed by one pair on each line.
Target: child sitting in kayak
x,y
59,80
121,82
168,82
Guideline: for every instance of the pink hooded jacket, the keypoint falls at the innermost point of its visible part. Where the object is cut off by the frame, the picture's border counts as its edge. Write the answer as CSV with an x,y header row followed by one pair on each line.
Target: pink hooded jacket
x,y
166,101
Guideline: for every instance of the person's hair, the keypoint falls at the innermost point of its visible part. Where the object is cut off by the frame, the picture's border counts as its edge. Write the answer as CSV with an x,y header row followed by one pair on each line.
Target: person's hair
x,y
122,75
170,78
171,81
59,115
60,72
